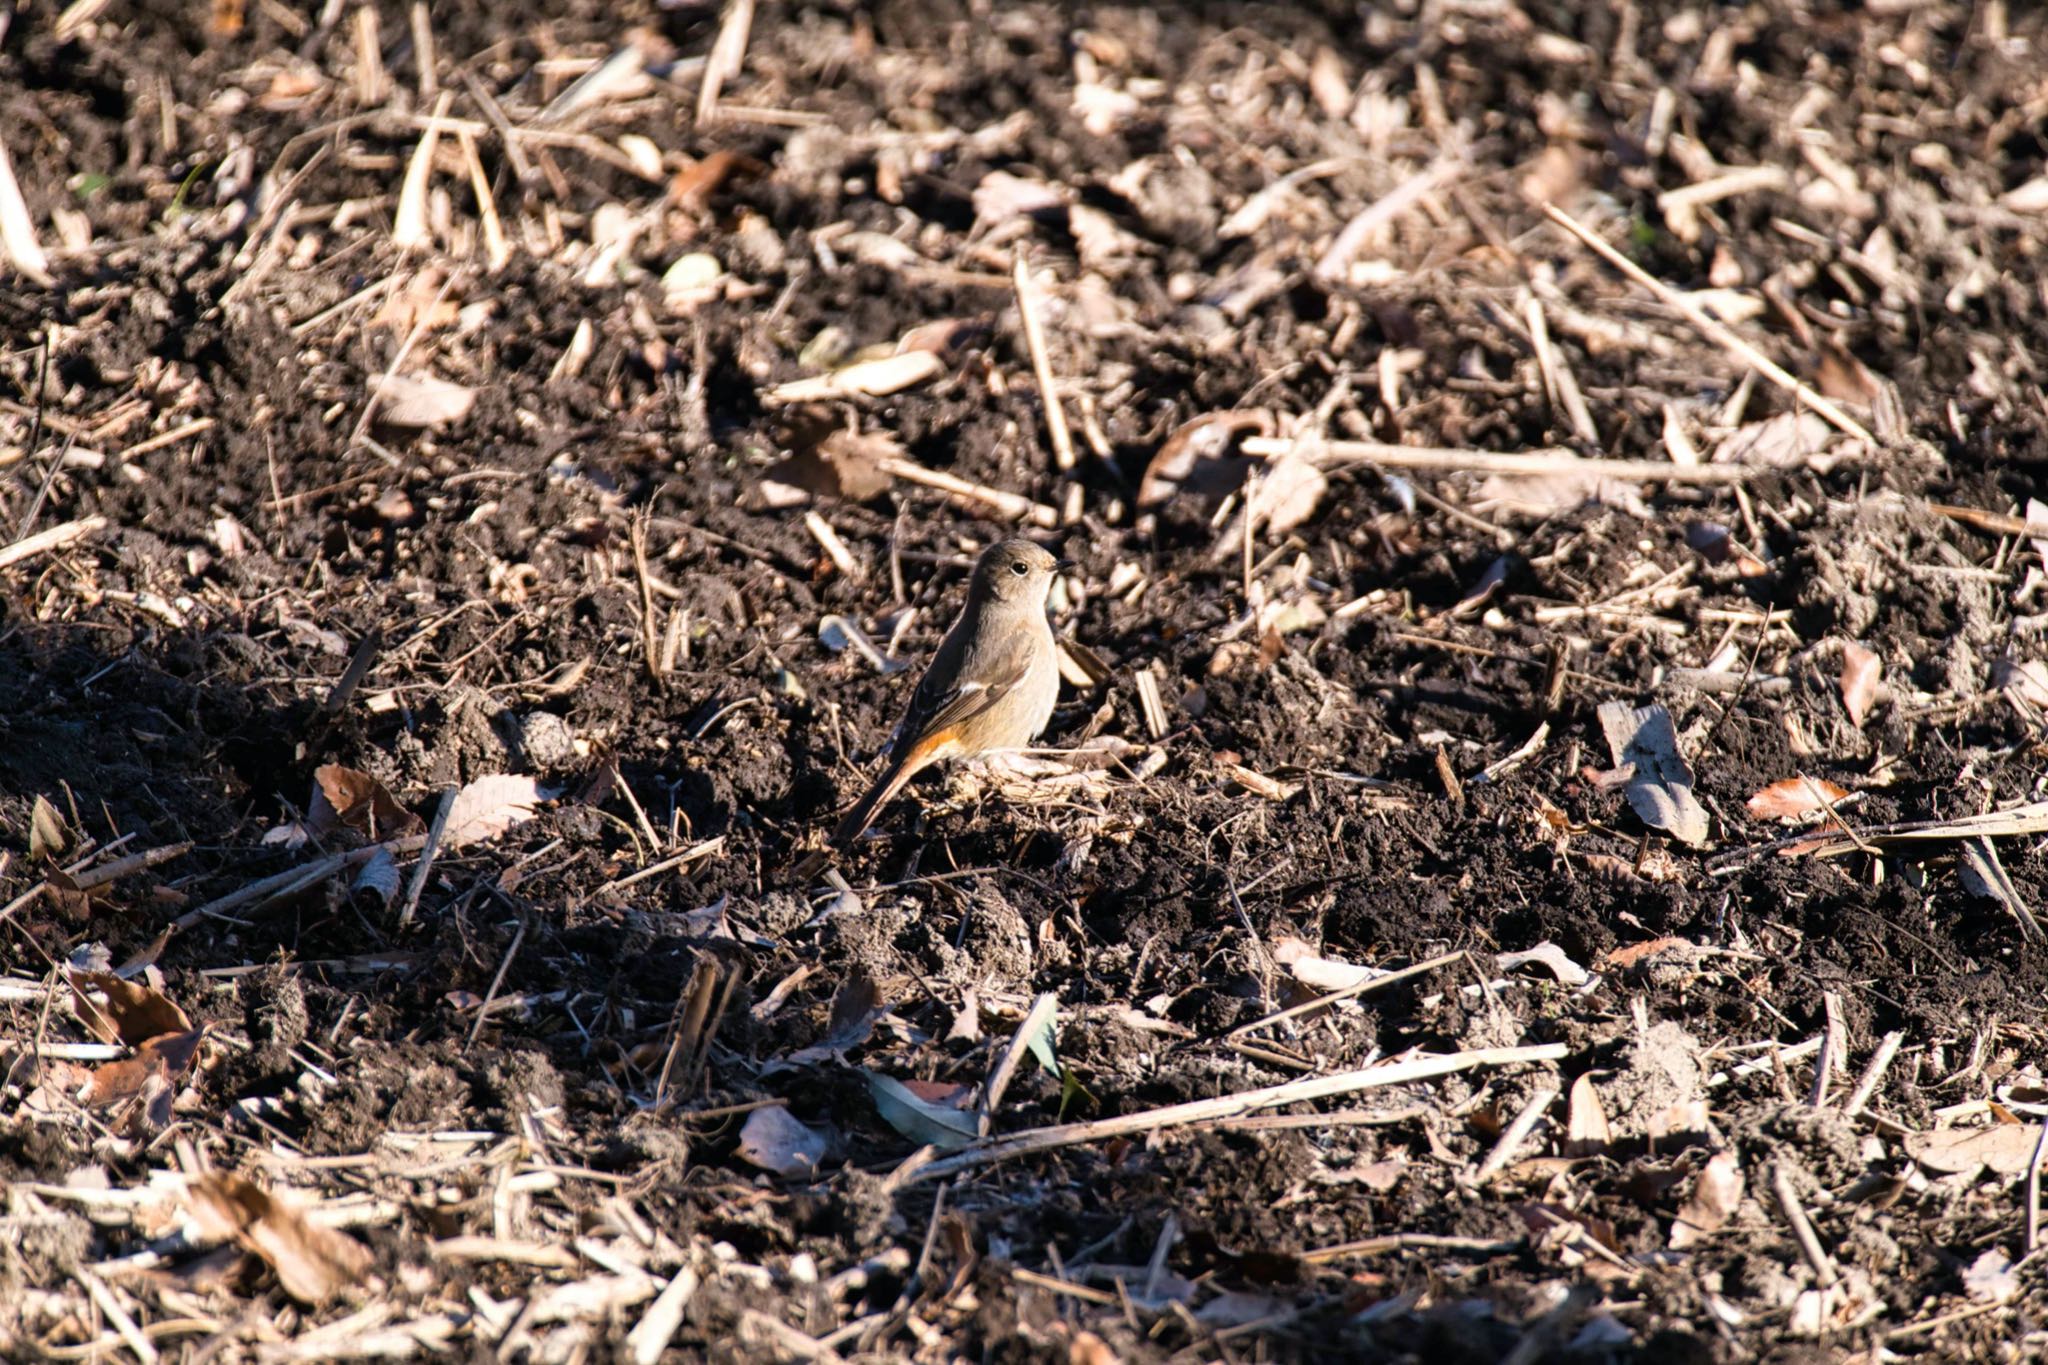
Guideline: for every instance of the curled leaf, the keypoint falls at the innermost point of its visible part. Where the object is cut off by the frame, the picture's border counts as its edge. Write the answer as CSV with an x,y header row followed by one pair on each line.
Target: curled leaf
x,y
312,1262
778,1142
1794,797
924,1121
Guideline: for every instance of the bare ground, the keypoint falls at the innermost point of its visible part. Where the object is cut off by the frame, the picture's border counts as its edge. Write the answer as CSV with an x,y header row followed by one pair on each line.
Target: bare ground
x,y
607,1082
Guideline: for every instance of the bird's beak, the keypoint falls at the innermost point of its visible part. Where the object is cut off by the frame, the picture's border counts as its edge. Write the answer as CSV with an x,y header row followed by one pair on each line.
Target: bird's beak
x,y
1064,565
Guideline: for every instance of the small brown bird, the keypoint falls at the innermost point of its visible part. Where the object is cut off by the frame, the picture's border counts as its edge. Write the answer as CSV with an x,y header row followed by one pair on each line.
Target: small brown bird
x,y
990,686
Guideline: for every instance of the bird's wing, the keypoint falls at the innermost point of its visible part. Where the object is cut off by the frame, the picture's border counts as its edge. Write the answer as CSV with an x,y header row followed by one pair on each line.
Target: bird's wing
x,y
932,716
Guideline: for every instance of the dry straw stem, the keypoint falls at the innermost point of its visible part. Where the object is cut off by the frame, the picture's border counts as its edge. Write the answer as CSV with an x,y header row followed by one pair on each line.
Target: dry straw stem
x,y
1717,332
1041,366
1802,1228
1866,1086
1516,1134
1011,505
1230,1106
1531,464
1370,984
56,538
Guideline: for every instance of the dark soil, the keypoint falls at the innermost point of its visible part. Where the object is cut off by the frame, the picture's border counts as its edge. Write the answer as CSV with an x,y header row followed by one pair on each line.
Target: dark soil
x,y
225,200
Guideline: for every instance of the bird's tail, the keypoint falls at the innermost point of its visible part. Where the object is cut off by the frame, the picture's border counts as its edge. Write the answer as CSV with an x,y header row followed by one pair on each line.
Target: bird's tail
x,y
856,820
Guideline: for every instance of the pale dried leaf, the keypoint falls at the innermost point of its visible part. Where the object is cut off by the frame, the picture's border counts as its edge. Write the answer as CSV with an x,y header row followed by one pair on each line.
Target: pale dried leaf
x,y
1644,742
1716,1195
1992,1278
1290,489
1586,1128
2028,680
1790,438
1552,959
2005,1148
418,401
489,806
378,880
2032,197
864,378
1318,972
1001,196
47,834
778,1142
1794,797
1862,674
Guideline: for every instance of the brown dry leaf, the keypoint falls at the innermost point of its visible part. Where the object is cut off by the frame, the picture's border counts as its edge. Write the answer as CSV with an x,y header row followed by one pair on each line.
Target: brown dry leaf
x,y
361,802
1088,1349
423,304
1586,1129
419,401
697,182
778,1142
133,1014
1716,1194
2005,1148
1621,959
1197,460
313,1263
1861,675
841,464
1794,797
491,805
150,1076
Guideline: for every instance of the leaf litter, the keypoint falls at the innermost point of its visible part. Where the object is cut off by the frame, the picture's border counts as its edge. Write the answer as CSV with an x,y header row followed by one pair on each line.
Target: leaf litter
x,y
672,346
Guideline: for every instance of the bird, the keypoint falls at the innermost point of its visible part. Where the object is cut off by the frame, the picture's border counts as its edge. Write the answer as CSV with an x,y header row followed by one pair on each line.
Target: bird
x,y
991,685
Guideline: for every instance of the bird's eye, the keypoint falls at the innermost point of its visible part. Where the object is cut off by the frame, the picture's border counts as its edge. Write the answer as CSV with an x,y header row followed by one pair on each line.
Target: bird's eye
x,y
1020,568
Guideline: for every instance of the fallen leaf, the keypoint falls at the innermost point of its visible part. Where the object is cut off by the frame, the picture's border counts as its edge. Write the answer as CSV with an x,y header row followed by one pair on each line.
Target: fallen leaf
x,y
778,1142
1992,1278
420,401
1586,1129
313,1263
925,1122
1197,459
360,801
378,881
1321,973
864,378
1716,1194
1790,438
1001,196
150,1076
840,464
47,836
489,806
2028,680
1794,797
133,1014
1861,675
1645,744
1621,959
1290,490
2005,1148
1552,959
